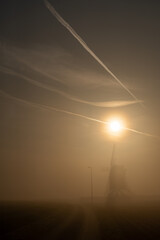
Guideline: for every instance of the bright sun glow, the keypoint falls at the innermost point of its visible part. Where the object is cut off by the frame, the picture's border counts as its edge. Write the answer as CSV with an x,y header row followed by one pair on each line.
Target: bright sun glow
x,y
115,126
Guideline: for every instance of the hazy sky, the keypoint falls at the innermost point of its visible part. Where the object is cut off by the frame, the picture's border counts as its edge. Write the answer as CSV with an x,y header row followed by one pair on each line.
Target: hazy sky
x,y
45,154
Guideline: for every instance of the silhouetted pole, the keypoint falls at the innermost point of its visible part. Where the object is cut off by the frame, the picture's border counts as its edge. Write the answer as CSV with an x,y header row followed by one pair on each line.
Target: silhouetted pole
x,y
91,186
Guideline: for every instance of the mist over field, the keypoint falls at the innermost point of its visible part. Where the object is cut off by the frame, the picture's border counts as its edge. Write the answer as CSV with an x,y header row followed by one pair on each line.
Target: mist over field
x,y
79,119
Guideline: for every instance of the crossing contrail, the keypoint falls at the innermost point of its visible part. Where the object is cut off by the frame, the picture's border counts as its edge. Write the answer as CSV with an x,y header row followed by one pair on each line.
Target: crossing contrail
x,y
45,107
49,108
142,133
85,46
107,104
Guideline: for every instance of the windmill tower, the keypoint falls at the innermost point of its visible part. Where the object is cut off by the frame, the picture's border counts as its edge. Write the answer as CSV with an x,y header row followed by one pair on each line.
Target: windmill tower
x,y
118,191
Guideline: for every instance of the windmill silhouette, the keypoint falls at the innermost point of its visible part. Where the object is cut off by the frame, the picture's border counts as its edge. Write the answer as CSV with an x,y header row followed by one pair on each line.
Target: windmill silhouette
x,y
118,190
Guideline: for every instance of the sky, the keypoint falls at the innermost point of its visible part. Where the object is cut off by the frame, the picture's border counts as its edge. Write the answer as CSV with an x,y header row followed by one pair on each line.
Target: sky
x,y
46,75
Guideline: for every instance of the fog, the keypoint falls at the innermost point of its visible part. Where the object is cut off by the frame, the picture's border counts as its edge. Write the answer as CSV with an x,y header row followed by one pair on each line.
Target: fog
x,y
45,154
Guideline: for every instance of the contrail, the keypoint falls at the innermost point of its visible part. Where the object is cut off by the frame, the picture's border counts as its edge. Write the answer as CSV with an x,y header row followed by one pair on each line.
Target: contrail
x,y
85,46
48,108
3,93
109,104
142,133
45,107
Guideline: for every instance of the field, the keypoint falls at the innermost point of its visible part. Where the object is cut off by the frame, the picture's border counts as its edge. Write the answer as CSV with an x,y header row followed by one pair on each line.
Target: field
x,y
76,221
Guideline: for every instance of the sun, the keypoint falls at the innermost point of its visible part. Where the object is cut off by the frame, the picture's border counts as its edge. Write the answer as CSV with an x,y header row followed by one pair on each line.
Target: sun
x,y
115,126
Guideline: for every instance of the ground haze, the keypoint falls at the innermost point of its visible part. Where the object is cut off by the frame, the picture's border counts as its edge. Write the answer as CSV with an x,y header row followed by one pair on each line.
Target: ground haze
x,y
79,221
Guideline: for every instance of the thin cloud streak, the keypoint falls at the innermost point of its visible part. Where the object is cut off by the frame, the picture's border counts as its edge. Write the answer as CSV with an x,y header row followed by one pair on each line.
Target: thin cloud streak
x,y
45,107
75,77
108,104
32,67
111,104
48,108
85,46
